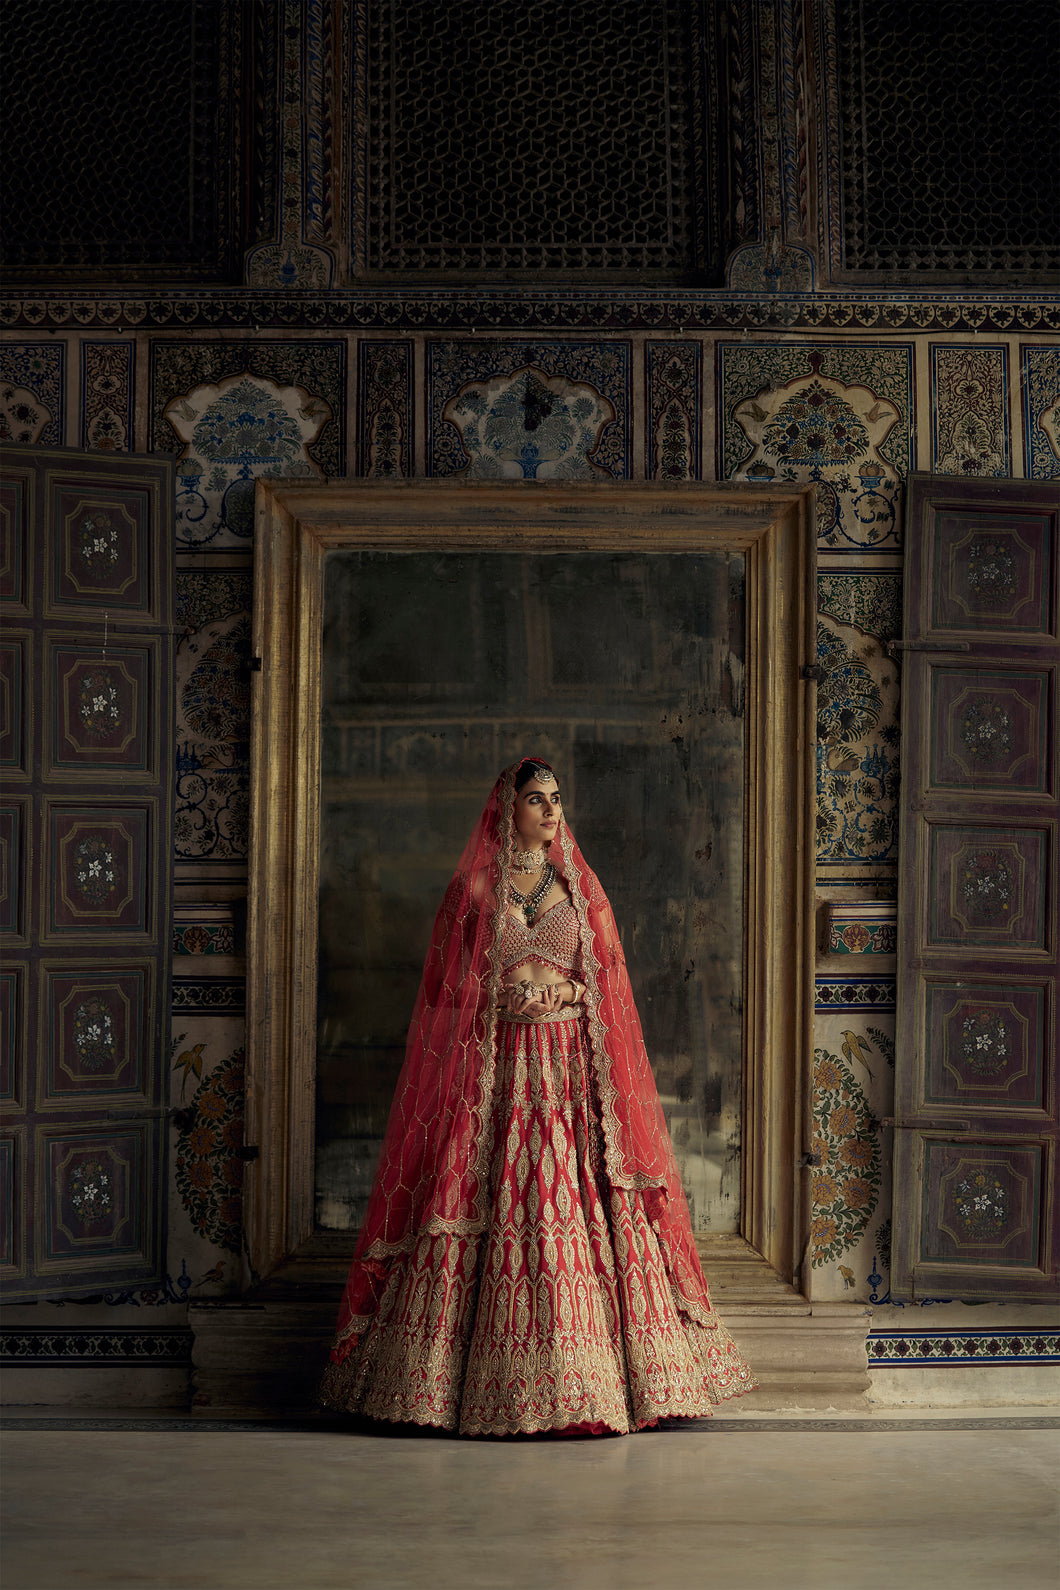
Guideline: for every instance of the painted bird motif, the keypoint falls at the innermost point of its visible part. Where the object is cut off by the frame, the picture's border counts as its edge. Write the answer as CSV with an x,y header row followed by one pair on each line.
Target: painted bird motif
x,y
191,1063
853,1045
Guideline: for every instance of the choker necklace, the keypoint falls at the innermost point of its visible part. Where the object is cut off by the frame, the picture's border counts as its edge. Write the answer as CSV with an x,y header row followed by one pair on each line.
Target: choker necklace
x,y
530,902
528,860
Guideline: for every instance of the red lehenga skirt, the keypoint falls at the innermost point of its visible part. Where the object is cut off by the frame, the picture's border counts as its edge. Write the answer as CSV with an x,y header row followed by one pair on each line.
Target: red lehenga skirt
x,y
561,1315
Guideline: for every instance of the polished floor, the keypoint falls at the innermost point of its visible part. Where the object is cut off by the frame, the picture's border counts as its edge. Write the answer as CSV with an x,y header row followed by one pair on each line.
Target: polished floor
x,y
740,1504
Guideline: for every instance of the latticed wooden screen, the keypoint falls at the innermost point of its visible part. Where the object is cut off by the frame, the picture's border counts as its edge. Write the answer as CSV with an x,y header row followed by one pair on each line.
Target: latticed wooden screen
x,y
962,92
976,1136
86,748
535,135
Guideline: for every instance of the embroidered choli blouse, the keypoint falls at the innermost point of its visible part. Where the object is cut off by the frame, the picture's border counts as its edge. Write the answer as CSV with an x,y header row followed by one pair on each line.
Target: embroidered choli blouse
x,y
554,940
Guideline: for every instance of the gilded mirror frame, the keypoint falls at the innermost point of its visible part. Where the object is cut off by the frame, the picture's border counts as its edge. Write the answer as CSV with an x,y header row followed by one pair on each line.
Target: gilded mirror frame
x,y
297,525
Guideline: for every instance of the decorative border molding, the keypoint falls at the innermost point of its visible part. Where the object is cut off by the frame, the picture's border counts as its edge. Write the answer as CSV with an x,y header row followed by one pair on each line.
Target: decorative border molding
x,y
915,1349
208,996
498,310
204,938
846,993
861,929
106,1349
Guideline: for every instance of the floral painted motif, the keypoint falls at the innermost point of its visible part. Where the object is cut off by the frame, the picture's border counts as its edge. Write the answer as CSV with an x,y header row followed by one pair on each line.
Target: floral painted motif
x,y
992,572
94,869
209,1169
845,1186
562,409
530,426
870,602
385,406
981,1201
98,703
814,428
986,883
242,427
22,418
98,542
673,380
838,417
857,756
1040,383
970,410
213,740
93,1035
91,1190
986,729
107,396
985,1042
197,939
675,445
32,392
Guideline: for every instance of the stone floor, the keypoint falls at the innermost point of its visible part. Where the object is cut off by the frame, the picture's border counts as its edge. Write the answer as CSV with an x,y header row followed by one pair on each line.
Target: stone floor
x,y
741,1503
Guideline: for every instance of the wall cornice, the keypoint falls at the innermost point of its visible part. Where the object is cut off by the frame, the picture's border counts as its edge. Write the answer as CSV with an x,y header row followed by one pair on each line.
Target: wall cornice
x,y
489,309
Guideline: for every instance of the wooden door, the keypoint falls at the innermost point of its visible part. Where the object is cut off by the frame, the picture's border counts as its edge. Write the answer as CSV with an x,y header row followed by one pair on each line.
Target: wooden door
x,y
86,749
976,1086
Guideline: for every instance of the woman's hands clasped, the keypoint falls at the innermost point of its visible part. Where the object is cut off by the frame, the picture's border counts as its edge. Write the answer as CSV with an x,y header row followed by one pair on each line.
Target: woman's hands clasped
x,y
535,1000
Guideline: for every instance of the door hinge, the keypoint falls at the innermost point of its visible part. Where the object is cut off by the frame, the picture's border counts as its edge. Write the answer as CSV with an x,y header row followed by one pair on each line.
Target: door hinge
x,y
814,673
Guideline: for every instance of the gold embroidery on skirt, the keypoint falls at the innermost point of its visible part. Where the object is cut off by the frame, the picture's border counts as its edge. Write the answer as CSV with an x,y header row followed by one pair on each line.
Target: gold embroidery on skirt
x,y
563,1310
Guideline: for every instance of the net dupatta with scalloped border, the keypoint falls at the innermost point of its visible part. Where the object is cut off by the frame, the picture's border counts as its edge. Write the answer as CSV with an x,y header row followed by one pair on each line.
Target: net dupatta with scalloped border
x,y
434,1169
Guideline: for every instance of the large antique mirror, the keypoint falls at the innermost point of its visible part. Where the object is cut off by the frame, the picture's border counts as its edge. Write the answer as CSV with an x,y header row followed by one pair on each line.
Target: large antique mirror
x,y
649,641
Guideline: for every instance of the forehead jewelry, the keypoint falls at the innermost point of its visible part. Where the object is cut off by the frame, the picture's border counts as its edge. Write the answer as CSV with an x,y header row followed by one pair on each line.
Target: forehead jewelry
x,y
544,775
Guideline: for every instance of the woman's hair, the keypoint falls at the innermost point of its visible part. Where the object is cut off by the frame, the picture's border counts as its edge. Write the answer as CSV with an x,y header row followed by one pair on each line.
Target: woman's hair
x,y
529,770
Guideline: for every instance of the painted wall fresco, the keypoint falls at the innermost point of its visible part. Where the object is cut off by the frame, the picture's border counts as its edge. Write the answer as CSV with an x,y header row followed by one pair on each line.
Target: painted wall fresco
x,y
236,410
1040,380
213,713
970,411
33,392
107,396
839,414
528,410
616,407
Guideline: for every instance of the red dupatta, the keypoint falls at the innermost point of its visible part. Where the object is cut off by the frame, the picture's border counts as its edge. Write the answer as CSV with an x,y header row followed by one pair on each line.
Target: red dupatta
x,y
434,1170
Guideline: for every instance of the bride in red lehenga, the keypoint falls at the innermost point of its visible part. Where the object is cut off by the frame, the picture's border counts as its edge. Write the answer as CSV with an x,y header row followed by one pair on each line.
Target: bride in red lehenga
x,y
527,1260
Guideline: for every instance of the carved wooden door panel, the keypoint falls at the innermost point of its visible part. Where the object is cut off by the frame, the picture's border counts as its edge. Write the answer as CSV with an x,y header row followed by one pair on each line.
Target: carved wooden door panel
x,y
976,1087
86,748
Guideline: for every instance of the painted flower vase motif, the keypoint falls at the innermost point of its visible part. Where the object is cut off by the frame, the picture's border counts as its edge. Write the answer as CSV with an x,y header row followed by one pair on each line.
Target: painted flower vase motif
x,y
234,431
530,426
91,1190
94,1035
873,505
982,1205
985,1042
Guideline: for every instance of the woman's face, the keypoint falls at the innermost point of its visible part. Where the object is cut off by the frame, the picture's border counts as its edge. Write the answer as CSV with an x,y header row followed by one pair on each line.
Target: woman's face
x,y
538,809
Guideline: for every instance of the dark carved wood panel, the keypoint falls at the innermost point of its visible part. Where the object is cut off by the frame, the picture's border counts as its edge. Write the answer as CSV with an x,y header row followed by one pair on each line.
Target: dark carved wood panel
x,y
976,1129
86,750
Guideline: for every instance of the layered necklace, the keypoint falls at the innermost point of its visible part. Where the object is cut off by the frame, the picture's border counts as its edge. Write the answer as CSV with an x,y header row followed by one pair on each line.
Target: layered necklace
x,y
528,903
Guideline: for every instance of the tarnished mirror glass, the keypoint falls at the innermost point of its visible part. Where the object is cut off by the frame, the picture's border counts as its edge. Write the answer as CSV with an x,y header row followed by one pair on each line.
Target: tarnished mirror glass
x,y
626,672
